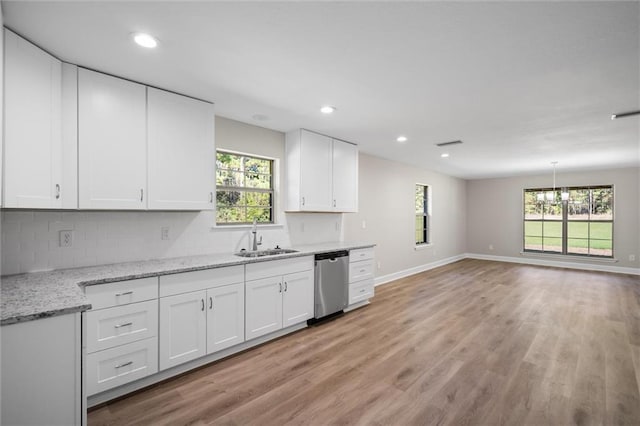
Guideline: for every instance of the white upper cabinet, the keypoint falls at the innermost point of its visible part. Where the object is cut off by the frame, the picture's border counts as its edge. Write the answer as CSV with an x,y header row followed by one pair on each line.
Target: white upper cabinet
x,y
345,176
33,137
111,142
182,152
322,173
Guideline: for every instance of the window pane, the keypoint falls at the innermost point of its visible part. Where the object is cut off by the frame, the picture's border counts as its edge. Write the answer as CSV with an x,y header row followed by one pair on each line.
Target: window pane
x,y
552,211
578,230
258,199
419,199
600,247
552,244
601,231
228,161
533,228
258,181
230,198
578,245
231,215
257,165
532,243
258,213
552,229
602,204
576,211
229,178
533,211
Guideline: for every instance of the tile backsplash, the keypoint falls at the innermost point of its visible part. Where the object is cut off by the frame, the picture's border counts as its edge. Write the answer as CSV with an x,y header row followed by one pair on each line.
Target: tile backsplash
x,y
31,238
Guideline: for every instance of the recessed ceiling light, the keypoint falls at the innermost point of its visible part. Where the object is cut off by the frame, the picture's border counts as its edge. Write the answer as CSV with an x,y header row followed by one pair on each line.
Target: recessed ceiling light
x,y
401,139
145,40
327,109
444,155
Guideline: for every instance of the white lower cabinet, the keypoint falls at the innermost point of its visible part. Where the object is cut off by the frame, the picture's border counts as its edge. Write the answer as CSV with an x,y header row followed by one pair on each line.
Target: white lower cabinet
x,y
183,327
361,274
281,300
196,323
120,365
122,333
225,317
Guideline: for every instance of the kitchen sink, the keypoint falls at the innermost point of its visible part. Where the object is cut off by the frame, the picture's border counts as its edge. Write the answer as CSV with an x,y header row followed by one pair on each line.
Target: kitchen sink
x,y
261,253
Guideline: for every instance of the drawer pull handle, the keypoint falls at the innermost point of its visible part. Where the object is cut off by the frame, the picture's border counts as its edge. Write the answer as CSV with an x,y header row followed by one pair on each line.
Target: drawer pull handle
x,y
126,324
124,294
362,270
124,365
362,291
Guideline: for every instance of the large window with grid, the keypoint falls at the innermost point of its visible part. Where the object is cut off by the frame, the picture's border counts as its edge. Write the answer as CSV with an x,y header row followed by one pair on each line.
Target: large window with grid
x,y
571,220
244,189
423,214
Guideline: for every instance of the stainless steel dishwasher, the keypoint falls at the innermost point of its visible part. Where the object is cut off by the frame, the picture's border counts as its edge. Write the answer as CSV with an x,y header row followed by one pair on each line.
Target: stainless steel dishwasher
x,y
331,283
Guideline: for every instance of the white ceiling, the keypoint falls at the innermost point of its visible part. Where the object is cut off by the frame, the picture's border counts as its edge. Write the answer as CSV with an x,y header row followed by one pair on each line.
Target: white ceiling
x,y
522,84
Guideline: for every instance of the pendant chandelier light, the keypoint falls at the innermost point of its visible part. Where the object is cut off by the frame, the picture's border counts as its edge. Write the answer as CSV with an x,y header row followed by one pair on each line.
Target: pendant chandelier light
x,y
549,196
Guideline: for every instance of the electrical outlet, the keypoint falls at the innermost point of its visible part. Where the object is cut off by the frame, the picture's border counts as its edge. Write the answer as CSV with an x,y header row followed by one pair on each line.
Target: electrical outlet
x,y
164,233
66,238
632,258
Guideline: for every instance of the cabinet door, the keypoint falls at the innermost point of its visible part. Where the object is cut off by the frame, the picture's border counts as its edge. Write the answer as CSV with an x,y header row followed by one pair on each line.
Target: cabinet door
x,y
32,139
112,147
225,317
182,152
183,322
263,306
345,176
297,305
315,172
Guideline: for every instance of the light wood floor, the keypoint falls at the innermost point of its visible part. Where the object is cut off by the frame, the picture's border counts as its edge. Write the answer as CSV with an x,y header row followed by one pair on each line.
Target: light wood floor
x,y
474,342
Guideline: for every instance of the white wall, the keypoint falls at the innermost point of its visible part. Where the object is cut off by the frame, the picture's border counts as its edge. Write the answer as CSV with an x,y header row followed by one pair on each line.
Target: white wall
x,y
495,214
387,206
30,237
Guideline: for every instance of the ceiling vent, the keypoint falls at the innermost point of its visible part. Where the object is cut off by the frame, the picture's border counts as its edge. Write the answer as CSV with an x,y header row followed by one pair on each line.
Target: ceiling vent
x,y
448,143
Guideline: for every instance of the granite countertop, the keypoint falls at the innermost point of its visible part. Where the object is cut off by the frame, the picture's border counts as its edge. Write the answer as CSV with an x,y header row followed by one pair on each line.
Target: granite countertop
x,y
27,297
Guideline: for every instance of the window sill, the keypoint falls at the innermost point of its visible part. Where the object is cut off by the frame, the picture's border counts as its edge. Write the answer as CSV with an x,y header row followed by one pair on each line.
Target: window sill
x,y
422,246
569,257
216,228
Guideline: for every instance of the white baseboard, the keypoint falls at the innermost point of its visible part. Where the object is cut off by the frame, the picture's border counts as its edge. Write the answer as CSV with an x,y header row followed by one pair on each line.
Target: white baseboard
x,y
384,279
557,263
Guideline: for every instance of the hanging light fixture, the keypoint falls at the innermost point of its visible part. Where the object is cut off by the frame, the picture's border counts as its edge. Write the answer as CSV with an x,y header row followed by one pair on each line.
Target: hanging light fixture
x,y
550,196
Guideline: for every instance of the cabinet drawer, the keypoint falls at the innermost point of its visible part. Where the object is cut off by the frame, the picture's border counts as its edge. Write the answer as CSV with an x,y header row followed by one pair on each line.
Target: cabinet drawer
x,y
122,292
200,280
361,254
107,328
117,366
360,291
359,271
273,268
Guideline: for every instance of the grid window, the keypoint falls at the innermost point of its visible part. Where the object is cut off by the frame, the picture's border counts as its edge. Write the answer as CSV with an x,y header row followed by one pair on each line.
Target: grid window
x,y
423,216
244,189
581,224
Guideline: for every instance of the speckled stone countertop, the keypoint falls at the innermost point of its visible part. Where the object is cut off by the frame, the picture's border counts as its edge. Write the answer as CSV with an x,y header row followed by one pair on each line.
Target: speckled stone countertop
x,y
27,297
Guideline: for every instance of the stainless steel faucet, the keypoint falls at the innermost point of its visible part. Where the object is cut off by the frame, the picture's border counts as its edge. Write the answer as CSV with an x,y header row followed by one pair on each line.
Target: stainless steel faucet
x,y
254,231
